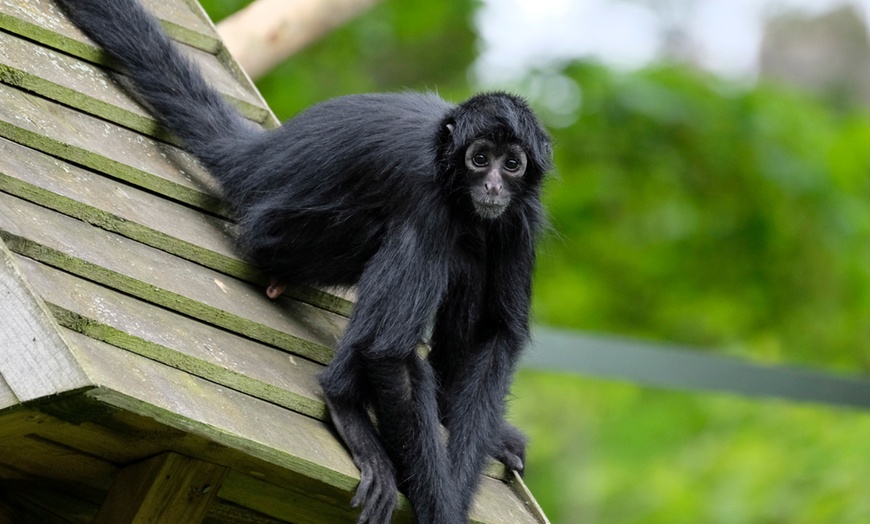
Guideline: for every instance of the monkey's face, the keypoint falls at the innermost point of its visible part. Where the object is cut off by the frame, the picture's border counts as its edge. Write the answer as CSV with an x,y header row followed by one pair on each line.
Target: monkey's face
x,y
494,171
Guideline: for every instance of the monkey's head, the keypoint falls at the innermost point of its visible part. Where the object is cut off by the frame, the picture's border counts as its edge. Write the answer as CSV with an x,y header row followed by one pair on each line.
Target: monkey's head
x,y
494,152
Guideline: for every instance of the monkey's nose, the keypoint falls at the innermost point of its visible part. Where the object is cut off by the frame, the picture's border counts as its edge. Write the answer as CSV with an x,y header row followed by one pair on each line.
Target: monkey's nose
x,y
492,188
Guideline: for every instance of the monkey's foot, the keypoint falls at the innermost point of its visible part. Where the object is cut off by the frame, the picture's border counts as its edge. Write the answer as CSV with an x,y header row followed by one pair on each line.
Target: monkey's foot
x,y
511,450
275,288
377,493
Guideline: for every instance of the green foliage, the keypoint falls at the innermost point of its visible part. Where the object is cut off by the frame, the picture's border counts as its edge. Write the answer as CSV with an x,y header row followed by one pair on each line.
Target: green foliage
x,y
392,47
691,211
615,453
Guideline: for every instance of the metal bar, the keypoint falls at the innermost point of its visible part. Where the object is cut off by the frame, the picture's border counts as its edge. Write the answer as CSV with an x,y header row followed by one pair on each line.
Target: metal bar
x,y
692,369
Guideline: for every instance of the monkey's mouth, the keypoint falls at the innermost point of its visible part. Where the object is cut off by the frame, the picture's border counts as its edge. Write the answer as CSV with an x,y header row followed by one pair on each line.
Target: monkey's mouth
x,y
489,207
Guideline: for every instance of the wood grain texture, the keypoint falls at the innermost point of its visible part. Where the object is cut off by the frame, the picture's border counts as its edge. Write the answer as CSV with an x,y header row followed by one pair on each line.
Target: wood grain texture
x,y
184,25
112,149
119,207
42,21
7,396
165,488
35,360
167,280
306,446
82,85
179,341
136,214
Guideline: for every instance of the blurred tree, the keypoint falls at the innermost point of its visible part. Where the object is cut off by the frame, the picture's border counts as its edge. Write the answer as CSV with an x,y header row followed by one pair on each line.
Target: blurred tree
x,y
693,211
395,45
266,32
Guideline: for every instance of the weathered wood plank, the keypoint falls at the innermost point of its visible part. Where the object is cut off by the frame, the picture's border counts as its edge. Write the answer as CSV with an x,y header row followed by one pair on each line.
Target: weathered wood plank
x,y
91,428
184,25
39,457
83,85
165,279
35,360
178,341
136,214
223,512
121,208
112,149
124,437
165,488
7,396
292,506
172,397
70,81
266,431
43,21
522,491
47,19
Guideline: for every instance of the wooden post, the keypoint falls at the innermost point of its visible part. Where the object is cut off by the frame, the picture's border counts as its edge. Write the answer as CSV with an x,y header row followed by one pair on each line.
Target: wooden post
x,y
165,488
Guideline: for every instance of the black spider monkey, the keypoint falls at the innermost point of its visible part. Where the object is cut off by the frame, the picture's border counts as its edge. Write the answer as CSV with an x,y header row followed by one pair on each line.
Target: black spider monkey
x,y
432,209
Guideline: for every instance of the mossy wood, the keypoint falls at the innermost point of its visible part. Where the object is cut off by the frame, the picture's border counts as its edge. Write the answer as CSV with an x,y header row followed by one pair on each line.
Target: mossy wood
x,y
131,328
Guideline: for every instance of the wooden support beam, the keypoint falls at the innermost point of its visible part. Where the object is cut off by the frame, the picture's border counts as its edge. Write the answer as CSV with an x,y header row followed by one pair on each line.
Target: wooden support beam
x,y
165,488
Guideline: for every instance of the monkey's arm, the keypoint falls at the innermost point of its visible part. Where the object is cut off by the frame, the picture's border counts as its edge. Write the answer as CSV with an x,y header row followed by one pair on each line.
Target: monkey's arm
x,y
377,365
475,415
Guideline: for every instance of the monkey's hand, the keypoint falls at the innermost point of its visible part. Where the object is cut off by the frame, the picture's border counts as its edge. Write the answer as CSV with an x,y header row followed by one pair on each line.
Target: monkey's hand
x,y
510,448
377,492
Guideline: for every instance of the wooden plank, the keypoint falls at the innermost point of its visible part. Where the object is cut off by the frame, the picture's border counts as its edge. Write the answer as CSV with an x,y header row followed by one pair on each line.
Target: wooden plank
x,y
266,431
70,81
41,458
222,512
35,361
165,488
292,506
256,478
83,85
90,428
43,21
136,214
179,341
121,208
174,398
47,17
7,396
167,280
112,149
184,25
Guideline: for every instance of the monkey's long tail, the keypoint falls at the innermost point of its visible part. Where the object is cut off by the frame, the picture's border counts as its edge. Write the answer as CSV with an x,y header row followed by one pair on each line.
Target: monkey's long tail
x,y
166,80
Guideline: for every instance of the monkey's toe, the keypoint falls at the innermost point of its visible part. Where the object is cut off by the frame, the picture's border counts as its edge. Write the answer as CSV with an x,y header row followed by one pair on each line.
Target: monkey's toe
x,y
275,288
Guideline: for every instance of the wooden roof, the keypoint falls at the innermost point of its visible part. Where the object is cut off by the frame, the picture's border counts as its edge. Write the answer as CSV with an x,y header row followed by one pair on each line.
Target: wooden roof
x,y
129,328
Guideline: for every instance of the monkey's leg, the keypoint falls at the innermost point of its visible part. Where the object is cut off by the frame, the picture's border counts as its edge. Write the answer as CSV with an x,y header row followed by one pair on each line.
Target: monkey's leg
x,y
398,293
475,417
509,447
377,491
451,354
406,408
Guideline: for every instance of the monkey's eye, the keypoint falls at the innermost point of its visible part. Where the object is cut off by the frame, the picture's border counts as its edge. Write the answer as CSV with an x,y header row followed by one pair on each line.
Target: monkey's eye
x,y
512,164
479,160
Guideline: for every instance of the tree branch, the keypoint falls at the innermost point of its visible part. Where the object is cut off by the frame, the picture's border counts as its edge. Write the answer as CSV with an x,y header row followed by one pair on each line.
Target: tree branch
x,y
267,31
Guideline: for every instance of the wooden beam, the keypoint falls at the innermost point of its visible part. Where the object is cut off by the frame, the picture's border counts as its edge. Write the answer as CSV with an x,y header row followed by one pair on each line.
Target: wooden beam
x,y
165,488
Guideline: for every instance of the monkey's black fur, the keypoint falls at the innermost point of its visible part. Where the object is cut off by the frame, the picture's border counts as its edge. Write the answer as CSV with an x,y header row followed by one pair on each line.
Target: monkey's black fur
x,y
374,190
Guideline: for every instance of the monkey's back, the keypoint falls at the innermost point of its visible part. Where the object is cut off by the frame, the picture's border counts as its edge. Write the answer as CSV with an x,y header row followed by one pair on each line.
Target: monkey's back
x,y
336,176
